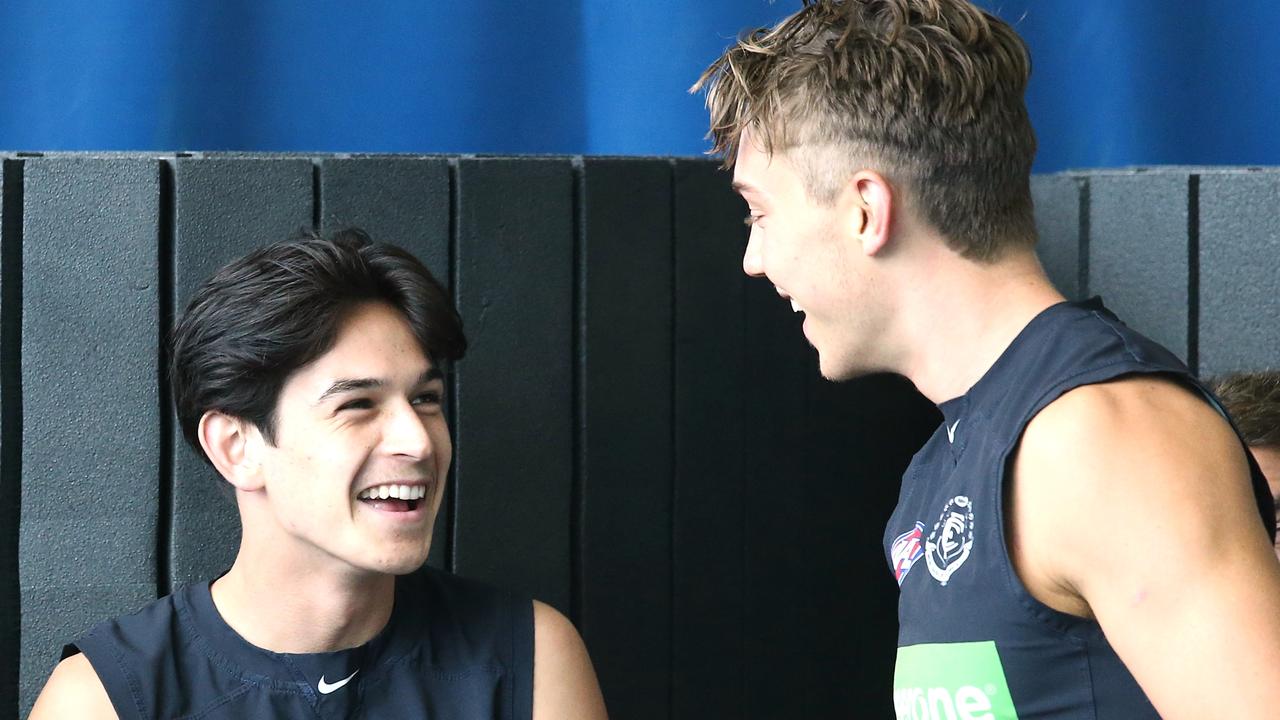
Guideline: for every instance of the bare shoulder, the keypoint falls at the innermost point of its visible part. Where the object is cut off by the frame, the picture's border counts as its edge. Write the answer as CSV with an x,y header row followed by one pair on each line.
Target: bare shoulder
x,y
1108,468
73,690
564,682
1130,502
1094,432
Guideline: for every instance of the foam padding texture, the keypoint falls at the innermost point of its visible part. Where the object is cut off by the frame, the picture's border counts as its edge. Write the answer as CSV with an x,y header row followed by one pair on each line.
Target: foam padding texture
x,y
514,441
1057,203
224,207
625,445
1239,271
1138,251
406,202
91,441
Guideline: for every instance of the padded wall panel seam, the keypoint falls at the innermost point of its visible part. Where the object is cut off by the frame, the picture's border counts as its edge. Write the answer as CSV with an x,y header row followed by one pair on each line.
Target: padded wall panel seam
x,y
403,201
223,208
513,448
708,536
626,357
10,427
91,428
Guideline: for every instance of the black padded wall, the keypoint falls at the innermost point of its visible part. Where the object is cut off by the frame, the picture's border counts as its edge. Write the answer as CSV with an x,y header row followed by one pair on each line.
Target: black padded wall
x,y
405,201
223,207
513,444
623,324
10,425
1139,252
642,437
1239,323
1061,203
90,400
708,670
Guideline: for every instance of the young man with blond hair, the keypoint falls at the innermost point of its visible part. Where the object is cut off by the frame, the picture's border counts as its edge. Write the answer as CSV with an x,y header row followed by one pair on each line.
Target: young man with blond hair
x,y
1084,536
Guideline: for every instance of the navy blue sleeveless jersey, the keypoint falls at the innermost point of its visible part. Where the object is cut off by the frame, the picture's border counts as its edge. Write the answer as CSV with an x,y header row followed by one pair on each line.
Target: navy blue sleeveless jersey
x,y
453,649
972,642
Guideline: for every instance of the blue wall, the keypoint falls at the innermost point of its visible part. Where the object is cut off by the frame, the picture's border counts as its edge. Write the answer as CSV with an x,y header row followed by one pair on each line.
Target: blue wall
x,y
1115,83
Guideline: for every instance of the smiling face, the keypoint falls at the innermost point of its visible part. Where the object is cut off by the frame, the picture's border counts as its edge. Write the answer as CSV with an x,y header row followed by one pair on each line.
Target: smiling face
x,y
364,419
809,251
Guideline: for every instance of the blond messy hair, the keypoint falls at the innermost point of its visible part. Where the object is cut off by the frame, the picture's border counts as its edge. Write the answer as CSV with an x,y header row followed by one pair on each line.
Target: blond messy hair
x,y
927,92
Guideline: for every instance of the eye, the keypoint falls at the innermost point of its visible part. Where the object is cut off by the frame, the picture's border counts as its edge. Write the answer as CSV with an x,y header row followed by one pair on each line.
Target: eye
x,y
356,404
750,220
430,398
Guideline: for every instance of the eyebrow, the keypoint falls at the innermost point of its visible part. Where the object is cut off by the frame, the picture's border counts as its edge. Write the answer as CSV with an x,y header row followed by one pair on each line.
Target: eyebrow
x,y
346,385
741,187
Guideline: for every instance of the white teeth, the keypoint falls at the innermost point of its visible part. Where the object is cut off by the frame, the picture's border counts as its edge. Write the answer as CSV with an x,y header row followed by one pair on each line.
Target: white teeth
x,y
401,492
795,306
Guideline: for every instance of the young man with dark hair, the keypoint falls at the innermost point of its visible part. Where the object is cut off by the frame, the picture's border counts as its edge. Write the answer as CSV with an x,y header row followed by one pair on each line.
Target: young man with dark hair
x,y
1252,399
309,374
1084,537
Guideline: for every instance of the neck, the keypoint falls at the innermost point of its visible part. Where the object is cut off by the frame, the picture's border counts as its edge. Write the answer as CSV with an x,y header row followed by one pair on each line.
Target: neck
x,y
279,601
960,316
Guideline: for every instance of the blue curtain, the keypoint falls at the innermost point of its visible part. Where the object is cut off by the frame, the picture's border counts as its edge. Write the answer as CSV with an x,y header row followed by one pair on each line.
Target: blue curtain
x,y
1116,82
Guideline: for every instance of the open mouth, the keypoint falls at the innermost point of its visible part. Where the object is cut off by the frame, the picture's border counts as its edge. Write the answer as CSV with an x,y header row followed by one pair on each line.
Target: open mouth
x,y
394,498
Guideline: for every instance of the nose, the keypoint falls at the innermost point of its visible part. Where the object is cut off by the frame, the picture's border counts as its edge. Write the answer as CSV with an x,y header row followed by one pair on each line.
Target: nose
x,y
405,433
752,264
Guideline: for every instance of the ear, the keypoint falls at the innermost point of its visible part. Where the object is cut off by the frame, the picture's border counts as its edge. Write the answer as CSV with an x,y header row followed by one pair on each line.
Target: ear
x,y
873,209
234,447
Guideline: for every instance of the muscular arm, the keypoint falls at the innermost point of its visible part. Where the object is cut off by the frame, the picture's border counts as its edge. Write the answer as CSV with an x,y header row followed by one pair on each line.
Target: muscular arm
x,y
564,683
1131,503
73,691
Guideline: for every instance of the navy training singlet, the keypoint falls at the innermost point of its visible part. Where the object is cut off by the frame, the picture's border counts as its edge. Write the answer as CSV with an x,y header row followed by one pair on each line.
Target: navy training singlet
x,y
972,641
453,648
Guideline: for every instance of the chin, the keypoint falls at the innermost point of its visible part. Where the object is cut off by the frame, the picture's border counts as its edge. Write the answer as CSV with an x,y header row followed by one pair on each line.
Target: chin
x,y
838,369
400,561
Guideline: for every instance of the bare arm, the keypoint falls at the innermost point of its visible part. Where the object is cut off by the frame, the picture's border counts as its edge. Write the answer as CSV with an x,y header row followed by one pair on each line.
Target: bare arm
x,y
1131,504
73,691
564,683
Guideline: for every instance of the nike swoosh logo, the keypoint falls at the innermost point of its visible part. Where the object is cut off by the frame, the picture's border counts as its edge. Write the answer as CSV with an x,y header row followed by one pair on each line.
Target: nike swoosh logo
x,y
951,432
326,688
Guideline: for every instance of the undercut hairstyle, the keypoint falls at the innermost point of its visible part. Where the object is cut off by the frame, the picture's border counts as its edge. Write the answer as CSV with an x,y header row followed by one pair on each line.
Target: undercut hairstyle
x,y
929,93
269,313
1252,400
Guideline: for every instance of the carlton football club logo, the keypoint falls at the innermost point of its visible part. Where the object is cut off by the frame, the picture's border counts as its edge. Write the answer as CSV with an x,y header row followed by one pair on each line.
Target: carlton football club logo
x,y
951,539
906,550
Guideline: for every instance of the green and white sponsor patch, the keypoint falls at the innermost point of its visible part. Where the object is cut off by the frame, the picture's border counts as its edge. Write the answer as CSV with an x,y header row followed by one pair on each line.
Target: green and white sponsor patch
x,y
951,681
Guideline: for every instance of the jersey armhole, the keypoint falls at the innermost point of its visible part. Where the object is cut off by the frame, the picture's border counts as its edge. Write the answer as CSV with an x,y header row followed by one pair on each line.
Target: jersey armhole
x,y
121,687
1078,628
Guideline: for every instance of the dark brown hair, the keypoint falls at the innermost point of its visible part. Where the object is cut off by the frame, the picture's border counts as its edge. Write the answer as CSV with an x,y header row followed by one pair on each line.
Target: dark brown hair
x,y
927,92
263,316
1252,400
